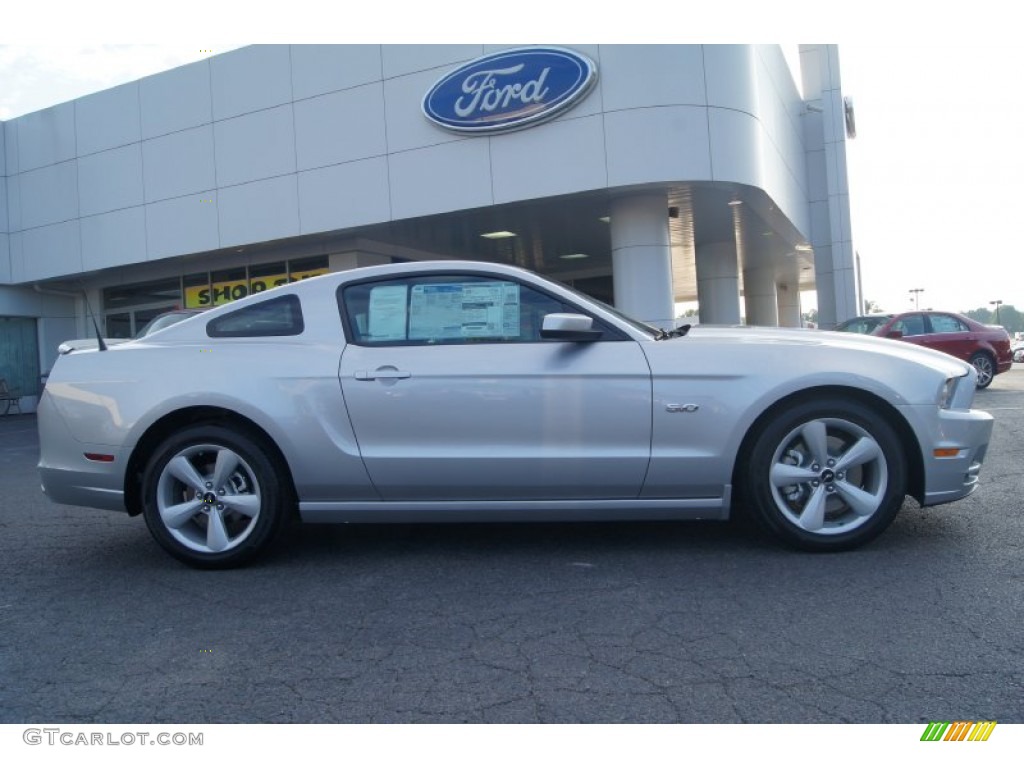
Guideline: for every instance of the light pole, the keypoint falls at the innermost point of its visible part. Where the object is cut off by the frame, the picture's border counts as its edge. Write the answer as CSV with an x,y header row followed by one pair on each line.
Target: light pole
x,y
997,303
917,296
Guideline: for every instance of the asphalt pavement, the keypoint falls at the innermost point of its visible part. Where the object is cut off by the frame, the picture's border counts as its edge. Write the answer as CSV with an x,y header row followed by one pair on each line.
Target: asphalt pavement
x,y
593,623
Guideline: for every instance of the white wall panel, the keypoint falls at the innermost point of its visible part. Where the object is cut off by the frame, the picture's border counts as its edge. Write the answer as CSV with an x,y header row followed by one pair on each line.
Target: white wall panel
x,y
737,147
250,79
401,60
447,177
110,180
657,144
821,226
340,127
319,69
16,243
178,164
20,301
4,221
818,183
262,210
13,186
175,100
49,195
730,71
5,258
182,225
113,239
651,76
256,146
108,119
403,104
46,137
10,131
522,162
52,251
345,195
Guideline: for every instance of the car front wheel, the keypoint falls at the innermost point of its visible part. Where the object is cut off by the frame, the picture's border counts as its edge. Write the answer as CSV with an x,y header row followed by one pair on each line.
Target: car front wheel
x,y
985,367
826,475
212,498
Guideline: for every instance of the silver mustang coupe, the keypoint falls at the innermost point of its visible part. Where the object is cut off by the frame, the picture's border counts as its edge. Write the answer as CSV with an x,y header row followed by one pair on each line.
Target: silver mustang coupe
x,y
464,391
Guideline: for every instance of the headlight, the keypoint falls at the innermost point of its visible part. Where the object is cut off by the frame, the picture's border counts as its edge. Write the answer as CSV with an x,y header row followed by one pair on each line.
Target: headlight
x,y
957,392
947,393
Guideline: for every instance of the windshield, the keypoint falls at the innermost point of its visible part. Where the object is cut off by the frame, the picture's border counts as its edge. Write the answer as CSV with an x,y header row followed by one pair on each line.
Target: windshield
x,y
649,330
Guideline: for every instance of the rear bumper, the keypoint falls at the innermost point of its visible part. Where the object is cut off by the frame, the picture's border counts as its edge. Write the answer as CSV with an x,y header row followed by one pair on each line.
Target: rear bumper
x,y
67,476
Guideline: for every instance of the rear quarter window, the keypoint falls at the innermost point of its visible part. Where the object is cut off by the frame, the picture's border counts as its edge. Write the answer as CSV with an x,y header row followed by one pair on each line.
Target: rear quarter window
x,y
280,316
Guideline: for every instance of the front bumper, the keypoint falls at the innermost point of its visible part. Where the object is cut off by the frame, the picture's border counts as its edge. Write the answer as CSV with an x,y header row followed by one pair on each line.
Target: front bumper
x,y
951,477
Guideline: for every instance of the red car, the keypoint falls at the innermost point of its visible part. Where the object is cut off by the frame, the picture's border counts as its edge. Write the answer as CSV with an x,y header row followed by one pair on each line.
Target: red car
x,y
986,347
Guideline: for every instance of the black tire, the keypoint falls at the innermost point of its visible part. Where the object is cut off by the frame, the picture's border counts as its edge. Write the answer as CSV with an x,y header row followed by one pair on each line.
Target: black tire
x,y
825,475
204,525
986,368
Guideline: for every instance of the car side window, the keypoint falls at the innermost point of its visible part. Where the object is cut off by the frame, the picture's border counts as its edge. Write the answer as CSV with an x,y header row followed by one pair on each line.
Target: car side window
x,y
280,316
946,324
911,325
445,309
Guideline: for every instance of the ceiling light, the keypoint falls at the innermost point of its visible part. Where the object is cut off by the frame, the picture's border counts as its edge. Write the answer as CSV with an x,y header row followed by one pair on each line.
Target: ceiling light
x,y
803,247
606,219
575,256
735,202
498,235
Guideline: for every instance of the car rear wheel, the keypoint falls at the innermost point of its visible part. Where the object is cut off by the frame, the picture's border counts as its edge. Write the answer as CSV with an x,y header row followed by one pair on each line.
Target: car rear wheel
x,y
985,367
826,475
212,498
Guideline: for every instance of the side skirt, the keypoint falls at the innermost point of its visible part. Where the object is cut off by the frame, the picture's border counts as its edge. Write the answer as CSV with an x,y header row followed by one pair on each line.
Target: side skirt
x,y
515,511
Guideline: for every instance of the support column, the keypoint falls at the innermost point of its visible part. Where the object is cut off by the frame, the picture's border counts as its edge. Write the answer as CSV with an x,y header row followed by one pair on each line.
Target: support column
x,y
760,297
825,136
789,305
642,259
718,283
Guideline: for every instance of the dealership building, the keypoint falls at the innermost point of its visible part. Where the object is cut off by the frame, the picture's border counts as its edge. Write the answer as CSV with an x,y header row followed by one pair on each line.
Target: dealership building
x,y
644,175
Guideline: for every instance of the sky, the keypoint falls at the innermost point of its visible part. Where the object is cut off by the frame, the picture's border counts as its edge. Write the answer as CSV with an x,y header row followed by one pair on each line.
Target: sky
x,y
933,170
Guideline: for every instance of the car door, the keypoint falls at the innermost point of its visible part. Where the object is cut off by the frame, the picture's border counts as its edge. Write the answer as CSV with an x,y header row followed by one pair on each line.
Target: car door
x,y
951,336
913,327
453,394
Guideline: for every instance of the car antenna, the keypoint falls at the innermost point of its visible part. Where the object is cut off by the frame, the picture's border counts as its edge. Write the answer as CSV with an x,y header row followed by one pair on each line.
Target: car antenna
x,y
99,338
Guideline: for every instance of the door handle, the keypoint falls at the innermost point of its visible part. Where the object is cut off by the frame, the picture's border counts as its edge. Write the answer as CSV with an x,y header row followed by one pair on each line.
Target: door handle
x,y
384,372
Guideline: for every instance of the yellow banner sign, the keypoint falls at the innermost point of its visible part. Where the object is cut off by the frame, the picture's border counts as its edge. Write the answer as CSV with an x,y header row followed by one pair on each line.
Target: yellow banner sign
x,y
203,296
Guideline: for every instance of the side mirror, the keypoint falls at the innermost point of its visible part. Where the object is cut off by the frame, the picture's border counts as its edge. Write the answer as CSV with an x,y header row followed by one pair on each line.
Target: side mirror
x,y
894,334
569,327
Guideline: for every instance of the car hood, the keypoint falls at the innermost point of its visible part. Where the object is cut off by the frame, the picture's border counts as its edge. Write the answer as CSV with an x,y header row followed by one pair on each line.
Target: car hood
x,y
856,343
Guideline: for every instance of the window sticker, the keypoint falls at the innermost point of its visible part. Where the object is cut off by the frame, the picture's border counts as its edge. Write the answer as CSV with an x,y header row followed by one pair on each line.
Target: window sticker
x,y
387,313
464,311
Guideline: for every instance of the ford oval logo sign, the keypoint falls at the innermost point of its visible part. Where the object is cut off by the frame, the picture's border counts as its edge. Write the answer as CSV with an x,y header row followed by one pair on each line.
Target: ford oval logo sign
x,y
509,90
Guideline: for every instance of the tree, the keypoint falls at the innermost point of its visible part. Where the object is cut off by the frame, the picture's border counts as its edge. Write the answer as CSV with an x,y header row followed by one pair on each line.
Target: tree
x,y
1009,317
981,314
